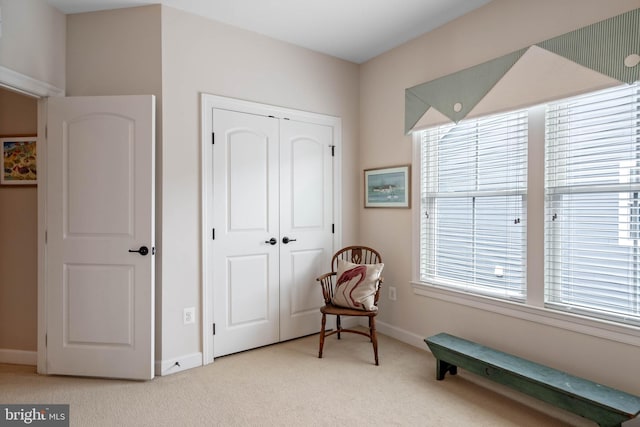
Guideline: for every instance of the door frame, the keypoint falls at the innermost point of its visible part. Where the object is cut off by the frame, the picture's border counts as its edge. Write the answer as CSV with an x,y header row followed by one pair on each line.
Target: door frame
x,y
208,103
40,90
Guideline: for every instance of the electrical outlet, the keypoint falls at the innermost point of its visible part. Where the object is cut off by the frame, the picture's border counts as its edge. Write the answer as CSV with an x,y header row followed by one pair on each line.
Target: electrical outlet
x,y
392,293
189,315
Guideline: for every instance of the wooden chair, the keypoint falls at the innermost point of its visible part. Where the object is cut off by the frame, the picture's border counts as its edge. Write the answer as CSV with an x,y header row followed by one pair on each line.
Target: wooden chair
x,y
356,255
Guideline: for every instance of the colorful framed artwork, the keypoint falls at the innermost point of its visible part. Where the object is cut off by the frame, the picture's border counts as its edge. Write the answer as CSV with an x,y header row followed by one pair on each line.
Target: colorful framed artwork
x,y
19,160
387,187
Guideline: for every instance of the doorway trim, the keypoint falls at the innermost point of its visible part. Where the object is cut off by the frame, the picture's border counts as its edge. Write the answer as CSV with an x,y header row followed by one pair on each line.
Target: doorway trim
x,y
26,85
21,83
208,103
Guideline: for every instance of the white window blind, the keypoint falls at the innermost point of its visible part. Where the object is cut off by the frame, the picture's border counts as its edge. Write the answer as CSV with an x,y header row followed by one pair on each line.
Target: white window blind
x,y
473,205
592,204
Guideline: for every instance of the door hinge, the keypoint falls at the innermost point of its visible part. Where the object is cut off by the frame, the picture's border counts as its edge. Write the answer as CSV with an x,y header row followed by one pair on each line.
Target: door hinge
x,y
46,340
213,234
213,138
214,329
46,237
46,132
333,150
333,229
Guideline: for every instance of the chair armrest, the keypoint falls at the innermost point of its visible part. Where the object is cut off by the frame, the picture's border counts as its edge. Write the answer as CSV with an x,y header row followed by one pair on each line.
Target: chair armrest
x,y
325,275
326,281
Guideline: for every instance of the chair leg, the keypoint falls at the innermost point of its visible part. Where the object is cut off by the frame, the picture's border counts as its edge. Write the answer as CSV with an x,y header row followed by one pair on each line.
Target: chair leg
x,y
374,337
370,330
322,329
338,325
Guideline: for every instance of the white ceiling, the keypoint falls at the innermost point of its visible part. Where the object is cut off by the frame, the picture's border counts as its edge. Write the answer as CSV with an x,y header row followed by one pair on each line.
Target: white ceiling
x,y
355,30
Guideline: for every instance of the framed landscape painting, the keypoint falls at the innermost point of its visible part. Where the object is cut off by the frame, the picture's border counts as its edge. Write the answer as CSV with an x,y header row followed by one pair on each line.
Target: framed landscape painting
x,y
387,187
19,166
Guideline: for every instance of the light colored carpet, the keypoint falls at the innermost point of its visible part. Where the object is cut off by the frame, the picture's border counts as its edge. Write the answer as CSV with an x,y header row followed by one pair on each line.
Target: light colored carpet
x,y
287,385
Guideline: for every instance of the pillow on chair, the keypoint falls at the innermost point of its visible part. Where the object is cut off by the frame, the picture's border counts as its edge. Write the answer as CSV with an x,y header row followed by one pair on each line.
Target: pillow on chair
x,y
356,285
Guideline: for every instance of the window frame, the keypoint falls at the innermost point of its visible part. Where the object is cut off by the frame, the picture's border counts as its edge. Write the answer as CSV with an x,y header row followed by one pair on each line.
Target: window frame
x,y
563,183
533,309
429,198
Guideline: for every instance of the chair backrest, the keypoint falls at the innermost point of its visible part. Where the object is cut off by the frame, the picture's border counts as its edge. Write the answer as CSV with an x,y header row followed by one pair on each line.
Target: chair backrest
x,y
356,255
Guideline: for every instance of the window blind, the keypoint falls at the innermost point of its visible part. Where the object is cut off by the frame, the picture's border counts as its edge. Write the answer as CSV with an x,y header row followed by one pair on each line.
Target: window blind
x,y
592,204
473,205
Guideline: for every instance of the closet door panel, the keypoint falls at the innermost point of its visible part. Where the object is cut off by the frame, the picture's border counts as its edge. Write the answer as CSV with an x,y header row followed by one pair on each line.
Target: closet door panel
x,y
245,264
306,218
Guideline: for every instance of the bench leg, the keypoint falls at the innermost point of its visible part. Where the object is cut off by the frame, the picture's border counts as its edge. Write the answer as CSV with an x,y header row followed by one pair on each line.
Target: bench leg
x,y
443,367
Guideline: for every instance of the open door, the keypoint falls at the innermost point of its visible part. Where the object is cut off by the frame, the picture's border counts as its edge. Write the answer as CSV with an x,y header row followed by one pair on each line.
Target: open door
x,y
100,236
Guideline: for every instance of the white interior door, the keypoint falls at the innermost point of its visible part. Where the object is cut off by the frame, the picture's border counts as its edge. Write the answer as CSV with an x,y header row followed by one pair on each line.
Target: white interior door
x,y
245,220
306,220
100,206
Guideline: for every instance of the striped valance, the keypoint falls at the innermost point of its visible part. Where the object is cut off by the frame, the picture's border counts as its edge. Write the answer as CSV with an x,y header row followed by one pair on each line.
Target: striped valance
x,y
589,58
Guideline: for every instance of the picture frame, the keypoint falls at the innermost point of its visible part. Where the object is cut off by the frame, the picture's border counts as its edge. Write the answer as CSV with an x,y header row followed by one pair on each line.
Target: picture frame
x,y
388,187
19,160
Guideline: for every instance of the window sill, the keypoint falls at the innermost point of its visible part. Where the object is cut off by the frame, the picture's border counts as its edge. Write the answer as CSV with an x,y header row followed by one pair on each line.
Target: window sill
x,y
571,322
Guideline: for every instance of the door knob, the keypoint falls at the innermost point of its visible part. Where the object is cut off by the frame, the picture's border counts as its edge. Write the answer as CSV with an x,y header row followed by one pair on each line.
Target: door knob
x,y
271,241
142,251
286,240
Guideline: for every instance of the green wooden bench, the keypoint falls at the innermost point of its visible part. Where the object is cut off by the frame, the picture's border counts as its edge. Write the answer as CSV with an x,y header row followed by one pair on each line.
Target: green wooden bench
x,y
606,406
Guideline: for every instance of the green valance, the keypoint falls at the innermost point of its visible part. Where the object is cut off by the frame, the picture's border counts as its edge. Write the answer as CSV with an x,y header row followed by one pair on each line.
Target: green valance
x,y
610,47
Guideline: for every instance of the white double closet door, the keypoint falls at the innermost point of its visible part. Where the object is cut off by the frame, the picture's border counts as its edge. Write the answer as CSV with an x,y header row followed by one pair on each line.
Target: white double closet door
x,y
272,215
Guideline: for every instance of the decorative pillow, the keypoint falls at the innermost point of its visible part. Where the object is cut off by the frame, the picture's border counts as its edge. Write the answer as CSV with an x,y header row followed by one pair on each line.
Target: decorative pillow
x,y
356,285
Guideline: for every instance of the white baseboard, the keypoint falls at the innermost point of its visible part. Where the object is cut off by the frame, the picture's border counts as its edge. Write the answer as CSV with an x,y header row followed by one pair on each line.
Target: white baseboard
x,y
18,357
401,335
172,366
347,322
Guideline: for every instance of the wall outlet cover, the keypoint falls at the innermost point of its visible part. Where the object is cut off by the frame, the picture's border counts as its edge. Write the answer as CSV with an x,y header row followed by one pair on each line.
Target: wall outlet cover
x,y
392,293
189,315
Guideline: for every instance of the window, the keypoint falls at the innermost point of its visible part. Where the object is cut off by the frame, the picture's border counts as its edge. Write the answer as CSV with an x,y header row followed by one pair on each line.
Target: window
x,y
472,232
481,178
592,199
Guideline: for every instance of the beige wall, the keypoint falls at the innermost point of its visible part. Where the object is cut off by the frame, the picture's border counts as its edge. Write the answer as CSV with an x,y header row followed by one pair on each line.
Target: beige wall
x,y
18,237
115,52
494,30
33,40
202,56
